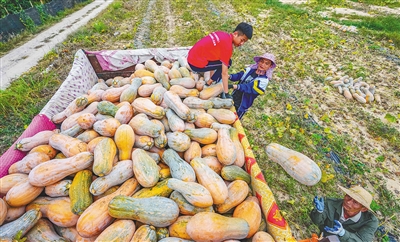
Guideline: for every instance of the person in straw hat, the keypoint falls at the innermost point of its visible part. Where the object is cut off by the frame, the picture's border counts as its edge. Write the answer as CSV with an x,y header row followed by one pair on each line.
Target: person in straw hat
x,y
253,82
347,219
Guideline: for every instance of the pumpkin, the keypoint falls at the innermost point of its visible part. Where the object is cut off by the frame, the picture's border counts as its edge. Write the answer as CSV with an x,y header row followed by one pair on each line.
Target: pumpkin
x,y
113,94
233,172
146,106
57,210
96,218
148,80
93,143
174,74
58,189
3,211
120,230
237,193
210,180
147,89
296,164
162,233
121,172
175,123
207,226
161,140
160,77
239,148
40,138
21,225
193,192
150,65
143,142
43,231
187,208
250,211
195,102
262,236
22,193
178,141
186,82
14,213
104,154
193,151
184,71
86,120
129,94
143,72
145,233
144,168
204,136
223,116
107,108
88,135
179,168
221,103
178,228
79,192
72,120
160,189
69,233
8,181
225,149
158,95
124,140
46,149
69,146
211,91
141,125
213,163
184,92
204,120
55,170
209,150
73,131
107,127
28,163
156,211
174,102
124,113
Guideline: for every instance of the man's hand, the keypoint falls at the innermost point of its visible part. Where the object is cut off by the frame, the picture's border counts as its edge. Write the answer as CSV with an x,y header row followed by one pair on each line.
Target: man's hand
x,y
319,204
337,229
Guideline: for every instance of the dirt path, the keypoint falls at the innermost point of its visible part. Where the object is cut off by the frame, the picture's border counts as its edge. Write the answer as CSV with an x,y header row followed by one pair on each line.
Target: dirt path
x,y
23,58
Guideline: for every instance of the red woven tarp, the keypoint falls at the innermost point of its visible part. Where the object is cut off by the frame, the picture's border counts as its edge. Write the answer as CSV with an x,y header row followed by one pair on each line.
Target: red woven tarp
x,y
39,123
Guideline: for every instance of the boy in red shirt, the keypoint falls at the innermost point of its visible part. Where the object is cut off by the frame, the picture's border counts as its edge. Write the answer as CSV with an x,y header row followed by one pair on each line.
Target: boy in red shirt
x,y
214,51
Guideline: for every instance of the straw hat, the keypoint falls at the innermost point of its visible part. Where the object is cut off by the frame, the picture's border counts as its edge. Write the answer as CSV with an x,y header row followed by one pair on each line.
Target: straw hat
x,y
268,56
359,194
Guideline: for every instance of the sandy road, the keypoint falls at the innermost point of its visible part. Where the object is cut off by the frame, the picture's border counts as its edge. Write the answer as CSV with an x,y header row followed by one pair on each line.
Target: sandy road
x,y
23,58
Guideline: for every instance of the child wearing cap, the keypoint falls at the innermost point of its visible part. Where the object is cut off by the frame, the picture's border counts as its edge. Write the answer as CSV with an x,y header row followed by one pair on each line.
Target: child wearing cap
x,y
347,219
252,82
214,51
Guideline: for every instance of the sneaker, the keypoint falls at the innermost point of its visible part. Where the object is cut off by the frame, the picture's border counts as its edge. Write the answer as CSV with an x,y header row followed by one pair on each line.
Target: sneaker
x,y
228,96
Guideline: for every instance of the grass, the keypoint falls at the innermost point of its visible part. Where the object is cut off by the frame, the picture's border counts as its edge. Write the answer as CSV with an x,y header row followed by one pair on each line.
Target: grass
x,y
33,30
299,110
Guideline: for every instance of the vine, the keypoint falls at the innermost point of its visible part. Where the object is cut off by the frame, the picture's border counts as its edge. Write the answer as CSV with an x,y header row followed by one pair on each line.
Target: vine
x,y
27,21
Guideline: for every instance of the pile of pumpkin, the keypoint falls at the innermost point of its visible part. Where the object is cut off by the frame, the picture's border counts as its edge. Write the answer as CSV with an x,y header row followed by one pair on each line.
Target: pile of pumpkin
x,y
343,28
150,157
356,89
